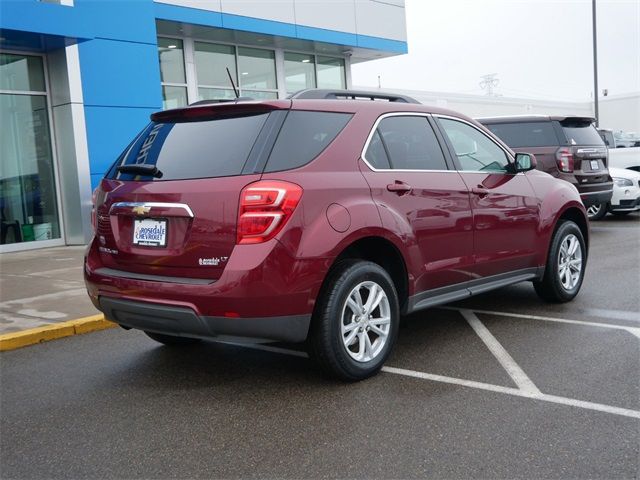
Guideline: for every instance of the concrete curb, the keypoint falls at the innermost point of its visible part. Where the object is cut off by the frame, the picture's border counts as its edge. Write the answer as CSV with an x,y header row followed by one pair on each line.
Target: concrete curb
x,y
24,338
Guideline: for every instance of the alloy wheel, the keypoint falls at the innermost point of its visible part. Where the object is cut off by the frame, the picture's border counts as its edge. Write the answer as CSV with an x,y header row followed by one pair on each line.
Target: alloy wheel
x,y
365,321
570,262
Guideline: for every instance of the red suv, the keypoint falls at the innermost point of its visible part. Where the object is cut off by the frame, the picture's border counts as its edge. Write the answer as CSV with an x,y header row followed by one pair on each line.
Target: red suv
x,y
323,217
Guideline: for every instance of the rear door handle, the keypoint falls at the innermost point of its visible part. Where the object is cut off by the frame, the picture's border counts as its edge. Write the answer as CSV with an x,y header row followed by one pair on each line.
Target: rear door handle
x,y
480,191
399,187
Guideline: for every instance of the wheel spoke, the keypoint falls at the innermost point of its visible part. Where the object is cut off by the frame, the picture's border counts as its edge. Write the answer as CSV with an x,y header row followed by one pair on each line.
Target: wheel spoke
x,y
377,330
353,305
373,293
348,341
380,321
361,346
368,348
358,299
349,327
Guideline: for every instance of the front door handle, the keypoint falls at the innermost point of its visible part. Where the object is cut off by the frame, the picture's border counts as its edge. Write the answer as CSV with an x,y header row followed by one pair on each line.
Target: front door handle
x,y
399,187
480,191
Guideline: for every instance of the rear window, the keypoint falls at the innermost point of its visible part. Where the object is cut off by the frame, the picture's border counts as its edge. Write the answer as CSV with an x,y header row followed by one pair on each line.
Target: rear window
x,y
525,134
304,135
581,134
213,148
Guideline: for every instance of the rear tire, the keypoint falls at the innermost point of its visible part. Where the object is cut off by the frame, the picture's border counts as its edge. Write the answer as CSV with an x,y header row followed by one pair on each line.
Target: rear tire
x,y
171,339
355,321
597,212
566,264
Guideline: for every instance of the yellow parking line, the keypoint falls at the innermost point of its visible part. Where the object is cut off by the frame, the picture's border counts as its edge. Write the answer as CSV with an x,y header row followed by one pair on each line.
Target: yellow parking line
x,y
23,338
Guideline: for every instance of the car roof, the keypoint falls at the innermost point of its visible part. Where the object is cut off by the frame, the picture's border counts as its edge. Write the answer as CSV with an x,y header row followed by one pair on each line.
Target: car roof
x,y
534,118
374,107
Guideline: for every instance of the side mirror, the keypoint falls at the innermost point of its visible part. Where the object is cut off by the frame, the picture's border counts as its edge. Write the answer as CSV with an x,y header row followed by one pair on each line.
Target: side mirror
x,y
525,162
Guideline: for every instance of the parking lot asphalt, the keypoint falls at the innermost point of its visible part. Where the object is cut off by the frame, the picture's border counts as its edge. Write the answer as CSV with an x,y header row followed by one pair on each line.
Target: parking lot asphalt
x,y
500,385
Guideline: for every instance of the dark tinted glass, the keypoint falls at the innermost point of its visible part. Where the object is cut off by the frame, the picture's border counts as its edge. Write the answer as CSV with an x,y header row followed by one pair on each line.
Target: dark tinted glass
x,y
213,148
411,144
526,134
581,134
303,136
375,154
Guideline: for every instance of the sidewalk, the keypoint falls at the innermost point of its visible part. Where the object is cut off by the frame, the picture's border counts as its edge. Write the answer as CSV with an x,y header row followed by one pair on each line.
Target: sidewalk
x,y
42,287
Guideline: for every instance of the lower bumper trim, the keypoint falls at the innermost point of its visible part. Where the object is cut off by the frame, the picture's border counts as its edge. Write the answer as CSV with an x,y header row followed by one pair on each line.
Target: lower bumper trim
x,y
182,321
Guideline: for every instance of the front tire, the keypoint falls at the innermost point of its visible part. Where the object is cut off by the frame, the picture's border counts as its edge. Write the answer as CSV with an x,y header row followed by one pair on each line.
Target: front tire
x,y
355,322
565,267
597,212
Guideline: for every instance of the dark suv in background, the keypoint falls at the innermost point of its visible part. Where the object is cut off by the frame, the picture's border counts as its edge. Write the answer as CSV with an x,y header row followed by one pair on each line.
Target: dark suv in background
x,y
322,218
569,148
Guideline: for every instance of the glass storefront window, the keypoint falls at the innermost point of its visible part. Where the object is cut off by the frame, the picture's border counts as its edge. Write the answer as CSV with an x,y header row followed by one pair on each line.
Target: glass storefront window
x,y
21,73
331,72
258,95
212,61
28,201
257,69
215,94
299,71
171,57
174,97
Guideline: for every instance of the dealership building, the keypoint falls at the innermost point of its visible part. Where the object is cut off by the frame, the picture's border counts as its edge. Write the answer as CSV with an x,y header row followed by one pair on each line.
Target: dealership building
x,y
79,79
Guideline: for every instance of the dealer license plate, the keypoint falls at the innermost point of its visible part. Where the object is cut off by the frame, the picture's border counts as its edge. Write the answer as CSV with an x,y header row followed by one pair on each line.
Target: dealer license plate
x,y
149,232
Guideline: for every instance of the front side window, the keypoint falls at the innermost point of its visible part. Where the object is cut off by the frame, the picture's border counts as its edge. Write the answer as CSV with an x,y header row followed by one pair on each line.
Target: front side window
x,y
405,143
474,150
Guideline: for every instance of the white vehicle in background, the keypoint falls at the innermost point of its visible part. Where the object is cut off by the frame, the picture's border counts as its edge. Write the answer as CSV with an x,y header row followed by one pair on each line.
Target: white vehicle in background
x,y
626,195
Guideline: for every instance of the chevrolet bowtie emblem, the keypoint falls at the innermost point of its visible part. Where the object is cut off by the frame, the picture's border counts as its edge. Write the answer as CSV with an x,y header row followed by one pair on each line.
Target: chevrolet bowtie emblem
x,y
141,209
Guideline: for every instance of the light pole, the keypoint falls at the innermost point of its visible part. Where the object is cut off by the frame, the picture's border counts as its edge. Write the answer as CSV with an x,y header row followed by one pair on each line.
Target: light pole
x,y
595,60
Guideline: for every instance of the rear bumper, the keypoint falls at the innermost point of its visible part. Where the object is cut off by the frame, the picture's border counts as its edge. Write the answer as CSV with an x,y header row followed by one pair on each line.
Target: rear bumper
x,y
264,292
596,197
181,321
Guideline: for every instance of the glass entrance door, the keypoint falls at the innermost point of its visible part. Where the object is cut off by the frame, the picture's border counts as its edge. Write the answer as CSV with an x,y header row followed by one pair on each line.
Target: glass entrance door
x,y
28,199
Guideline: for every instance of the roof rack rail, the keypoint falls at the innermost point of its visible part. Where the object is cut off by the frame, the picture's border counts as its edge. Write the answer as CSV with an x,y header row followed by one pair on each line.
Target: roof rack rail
x,y
325,94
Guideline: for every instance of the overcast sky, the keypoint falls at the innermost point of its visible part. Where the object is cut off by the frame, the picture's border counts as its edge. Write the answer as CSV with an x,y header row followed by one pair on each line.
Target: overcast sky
x,y
538,48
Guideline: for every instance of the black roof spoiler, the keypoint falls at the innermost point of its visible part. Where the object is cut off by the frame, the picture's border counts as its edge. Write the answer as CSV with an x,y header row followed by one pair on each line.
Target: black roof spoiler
x,y
326,94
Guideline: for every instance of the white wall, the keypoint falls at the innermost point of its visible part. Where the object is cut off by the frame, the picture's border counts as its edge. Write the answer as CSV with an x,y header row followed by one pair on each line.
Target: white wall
x,y
620,112
364,17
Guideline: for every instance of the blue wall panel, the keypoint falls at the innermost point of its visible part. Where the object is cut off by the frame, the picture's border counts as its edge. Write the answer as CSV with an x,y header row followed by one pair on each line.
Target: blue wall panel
x,y
109,131
123,74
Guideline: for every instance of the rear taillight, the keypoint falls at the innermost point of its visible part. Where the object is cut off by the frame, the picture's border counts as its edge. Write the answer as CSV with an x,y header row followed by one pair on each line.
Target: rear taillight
x,y
265,207
94,220
564,159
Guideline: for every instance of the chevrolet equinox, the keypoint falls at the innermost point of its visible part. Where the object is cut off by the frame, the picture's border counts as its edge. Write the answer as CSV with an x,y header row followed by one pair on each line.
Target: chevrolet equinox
x,y
322,218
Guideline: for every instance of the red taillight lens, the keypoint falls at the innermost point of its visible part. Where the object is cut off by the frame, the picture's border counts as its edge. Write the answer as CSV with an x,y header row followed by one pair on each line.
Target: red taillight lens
x,y
564,159
265,207
94,220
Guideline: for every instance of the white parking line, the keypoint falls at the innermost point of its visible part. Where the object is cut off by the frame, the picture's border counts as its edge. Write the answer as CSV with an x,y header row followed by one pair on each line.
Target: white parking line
x,y
633,330
521,379
613,314
571,402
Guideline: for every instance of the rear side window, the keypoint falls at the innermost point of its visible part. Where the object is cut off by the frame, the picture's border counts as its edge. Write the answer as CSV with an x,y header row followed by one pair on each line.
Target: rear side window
x,y
376,155
213,148
525,134
304,135
409,143
581,133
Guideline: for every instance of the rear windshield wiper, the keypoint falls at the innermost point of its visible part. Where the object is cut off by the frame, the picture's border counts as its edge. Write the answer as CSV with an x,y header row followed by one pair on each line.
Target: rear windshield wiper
x,y
141,168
